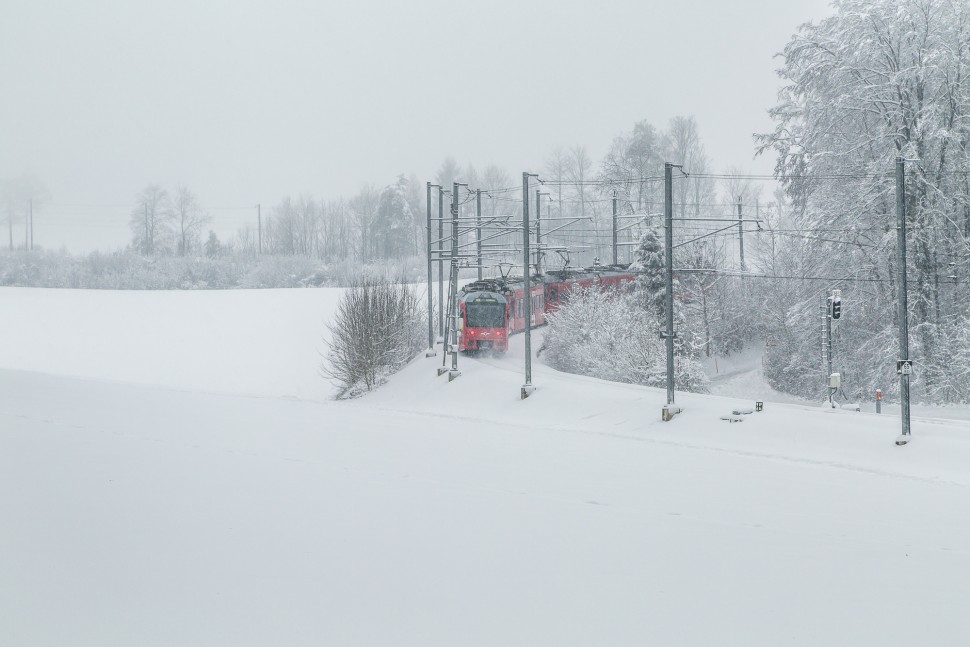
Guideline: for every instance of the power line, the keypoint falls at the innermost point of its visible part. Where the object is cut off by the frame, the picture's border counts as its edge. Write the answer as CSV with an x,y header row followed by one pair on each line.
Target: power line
x,y
759,275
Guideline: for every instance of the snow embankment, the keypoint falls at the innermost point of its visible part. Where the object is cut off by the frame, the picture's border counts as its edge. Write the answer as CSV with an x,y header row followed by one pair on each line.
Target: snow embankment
x,y
488,389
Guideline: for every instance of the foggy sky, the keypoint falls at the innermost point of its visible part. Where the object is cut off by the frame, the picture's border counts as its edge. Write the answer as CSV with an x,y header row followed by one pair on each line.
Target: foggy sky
x,y
247,102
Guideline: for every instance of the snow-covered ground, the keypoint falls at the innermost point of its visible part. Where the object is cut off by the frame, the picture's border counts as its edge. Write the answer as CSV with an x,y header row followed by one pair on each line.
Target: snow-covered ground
x,y
742,376
252,342
204,506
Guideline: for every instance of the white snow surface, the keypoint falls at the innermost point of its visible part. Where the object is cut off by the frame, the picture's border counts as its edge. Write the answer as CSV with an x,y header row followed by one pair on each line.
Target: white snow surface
x,y
252,342
160,485
742,376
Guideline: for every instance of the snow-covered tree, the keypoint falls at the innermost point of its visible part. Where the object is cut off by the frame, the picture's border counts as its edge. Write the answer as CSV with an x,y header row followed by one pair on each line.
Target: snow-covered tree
x,y
393,222
649,265
880,79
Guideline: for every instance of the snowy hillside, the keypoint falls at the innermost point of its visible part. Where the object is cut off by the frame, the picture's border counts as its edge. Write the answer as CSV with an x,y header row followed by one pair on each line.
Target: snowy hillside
x,y
165,489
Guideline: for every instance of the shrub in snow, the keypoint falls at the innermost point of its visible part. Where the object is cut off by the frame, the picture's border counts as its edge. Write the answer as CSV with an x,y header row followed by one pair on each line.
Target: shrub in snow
x,y
612,337
378,328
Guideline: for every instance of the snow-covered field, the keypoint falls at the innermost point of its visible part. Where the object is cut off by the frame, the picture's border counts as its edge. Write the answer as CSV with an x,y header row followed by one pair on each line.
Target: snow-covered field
x,y
250,342
172,474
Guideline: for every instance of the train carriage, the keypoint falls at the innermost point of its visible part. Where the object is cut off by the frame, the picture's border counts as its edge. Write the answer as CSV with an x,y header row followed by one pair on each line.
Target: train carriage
x,y
492,309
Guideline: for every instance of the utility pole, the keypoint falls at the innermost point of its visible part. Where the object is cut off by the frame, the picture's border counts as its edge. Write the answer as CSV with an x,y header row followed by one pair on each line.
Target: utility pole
x,y
903,365
478,222
741,235
549,208
669,275
441,285
259,229
430,352
527,388
538,234
453,296
831,311
824,335
615,260
828,342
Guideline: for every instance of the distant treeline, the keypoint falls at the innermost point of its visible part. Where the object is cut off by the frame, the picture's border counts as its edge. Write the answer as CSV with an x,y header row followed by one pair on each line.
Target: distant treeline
x,y
130,270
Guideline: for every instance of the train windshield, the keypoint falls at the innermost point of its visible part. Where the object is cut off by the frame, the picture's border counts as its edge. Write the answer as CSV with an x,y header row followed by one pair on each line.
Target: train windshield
x,y
485,315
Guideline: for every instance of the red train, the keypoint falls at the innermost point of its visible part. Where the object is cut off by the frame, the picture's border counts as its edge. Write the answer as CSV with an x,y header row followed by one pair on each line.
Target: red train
x,y
492,309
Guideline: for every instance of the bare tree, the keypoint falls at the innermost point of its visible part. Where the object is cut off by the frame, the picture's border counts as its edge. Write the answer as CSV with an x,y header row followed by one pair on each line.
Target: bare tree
x,y
501,203
363,207
246,240
682,144
555,171
632,165
309,223
578,171
188,217
150,221
337,230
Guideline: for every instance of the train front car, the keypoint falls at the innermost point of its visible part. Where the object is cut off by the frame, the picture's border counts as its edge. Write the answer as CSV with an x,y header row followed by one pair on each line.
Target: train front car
x,y
483,317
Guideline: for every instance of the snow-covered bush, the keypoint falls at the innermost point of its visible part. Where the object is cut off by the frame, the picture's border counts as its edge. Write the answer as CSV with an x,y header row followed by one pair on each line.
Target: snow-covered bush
x,y
612,337
279,272
130,270
378,328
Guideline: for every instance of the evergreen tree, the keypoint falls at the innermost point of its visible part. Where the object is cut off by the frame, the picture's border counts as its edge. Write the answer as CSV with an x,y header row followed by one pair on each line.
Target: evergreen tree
x,y
649,265
212,245
393,221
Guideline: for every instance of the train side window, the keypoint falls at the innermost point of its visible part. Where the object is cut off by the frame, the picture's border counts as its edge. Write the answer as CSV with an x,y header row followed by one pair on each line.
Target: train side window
x,y
553,295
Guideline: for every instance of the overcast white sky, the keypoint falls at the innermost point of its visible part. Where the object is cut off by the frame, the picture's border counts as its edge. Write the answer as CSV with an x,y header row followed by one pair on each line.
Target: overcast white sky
x,y
247,102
